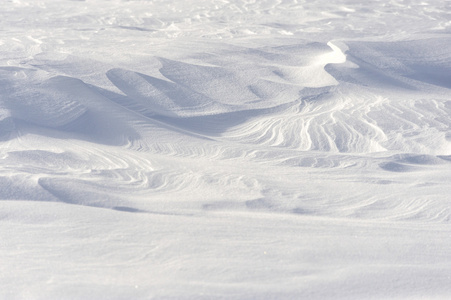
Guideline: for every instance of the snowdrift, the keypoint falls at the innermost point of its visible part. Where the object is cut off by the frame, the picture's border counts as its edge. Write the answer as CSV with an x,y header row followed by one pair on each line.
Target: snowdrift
x,y
225,149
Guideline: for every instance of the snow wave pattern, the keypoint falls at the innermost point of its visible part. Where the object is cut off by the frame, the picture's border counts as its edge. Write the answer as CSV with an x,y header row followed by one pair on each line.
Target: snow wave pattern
x,y
205,125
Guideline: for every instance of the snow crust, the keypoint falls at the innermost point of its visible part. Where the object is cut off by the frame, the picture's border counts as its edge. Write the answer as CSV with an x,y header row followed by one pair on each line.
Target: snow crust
x,y
225,149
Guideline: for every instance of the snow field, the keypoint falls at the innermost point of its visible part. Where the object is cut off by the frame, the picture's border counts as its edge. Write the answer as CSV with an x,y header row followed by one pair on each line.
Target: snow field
x,y
225,149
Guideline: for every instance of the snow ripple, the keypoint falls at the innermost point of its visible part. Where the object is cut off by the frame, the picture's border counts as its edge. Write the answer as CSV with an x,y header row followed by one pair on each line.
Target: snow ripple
x,y
155,136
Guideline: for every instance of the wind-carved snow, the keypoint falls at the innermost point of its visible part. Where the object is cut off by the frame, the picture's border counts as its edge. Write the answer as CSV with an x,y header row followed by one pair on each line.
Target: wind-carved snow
x,y
225,149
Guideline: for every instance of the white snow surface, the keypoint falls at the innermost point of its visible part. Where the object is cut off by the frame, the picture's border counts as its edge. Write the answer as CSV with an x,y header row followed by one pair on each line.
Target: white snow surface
x,y
225,149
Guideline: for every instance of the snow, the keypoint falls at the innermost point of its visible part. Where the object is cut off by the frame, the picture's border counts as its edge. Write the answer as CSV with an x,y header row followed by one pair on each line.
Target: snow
x,y
278,149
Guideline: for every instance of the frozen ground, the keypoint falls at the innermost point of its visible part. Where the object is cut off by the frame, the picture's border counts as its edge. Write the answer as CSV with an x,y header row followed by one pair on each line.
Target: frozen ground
x,y
225,149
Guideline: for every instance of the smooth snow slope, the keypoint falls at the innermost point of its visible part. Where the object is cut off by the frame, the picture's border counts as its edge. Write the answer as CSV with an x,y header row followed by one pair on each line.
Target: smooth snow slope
x,y
278,149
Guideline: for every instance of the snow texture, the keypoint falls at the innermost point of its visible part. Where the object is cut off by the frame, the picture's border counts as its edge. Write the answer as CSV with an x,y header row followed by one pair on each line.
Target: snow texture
x,y
225,149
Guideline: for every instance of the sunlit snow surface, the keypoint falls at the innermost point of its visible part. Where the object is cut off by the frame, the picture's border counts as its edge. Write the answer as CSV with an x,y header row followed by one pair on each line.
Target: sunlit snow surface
x,y
225,149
